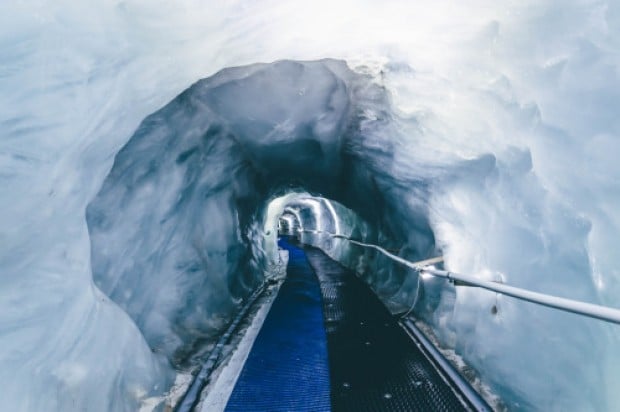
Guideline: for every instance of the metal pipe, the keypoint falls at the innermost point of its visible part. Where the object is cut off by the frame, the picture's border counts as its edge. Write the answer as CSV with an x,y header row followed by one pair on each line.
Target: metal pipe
x,y
569,305
591,310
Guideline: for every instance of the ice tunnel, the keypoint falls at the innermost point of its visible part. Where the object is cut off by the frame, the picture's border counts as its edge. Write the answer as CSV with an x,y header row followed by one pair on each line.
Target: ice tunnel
x,y
181,232
414,205
183,208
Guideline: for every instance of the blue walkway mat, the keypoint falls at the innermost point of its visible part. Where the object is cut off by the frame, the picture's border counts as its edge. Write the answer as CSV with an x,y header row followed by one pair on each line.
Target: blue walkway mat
x,y
287,369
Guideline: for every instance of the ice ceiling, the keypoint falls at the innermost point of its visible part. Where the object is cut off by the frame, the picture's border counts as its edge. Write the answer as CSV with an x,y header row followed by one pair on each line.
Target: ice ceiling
x,y
137,205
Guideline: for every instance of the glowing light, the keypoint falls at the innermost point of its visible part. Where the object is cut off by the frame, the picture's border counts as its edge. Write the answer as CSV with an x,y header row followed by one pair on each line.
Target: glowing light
x,y
335,219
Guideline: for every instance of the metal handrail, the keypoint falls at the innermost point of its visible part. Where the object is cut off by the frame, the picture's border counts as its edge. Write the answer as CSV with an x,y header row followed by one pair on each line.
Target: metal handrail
x,y
591,310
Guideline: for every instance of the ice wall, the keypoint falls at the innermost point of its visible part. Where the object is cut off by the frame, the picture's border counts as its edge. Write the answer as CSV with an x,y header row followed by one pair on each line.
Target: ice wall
x,y
504,135
171,228
177,231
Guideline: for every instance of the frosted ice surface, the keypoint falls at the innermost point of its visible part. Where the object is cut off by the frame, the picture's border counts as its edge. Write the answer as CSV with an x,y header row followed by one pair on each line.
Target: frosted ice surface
x,y
488,133
170,227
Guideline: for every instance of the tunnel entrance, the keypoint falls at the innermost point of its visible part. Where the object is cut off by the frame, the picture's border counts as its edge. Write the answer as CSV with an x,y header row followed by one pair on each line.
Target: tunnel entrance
x,y
177,229
184,229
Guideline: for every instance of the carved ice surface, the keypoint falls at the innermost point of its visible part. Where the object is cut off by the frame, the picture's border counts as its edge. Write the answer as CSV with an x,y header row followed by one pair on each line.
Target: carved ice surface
x,y
133,223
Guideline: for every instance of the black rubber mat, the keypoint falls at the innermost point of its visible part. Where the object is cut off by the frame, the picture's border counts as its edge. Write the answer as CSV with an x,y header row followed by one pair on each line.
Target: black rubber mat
x,y
374,365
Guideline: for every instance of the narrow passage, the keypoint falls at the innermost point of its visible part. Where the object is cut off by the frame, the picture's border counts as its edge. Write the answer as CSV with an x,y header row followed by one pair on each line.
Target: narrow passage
x,y
287,369
329,343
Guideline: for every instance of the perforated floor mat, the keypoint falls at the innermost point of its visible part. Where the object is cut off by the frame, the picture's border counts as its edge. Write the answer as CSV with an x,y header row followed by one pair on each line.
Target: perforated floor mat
x,y
330,344
374,365
287,369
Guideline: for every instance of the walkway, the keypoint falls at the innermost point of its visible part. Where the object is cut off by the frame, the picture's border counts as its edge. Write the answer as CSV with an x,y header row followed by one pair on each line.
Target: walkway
x,y
330,344
374,365
287,369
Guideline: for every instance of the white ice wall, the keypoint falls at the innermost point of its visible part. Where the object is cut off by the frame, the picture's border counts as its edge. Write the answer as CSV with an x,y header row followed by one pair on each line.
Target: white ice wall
x,y
77,78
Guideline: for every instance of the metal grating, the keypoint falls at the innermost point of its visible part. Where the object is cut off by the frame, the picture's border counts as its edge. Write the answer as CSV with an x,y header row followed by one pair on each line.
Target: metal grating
x,y
374,365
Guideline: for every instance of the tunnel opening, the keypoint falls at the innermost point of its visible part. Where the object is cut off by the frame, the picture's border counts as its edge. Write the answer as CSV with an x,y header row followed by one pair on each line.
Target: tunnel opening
x,y
178,230
178,235
181,212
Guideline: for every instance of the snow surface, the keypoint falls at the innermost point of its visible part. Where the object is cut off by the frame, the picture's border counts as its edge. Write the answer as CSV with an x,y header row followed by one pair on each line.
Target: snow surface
x,y
128,234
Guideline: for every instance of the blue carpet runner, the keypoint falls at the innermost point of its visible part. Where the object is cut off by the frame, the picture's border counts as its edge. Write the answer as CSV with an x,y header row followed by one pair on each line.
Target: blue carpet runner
x,y
287,369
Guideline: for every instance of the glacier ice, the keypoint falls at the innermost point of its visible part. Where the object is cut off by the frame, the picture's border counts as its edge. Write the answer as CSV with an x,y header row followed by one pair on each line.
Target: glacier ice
x,y
173,219
485,132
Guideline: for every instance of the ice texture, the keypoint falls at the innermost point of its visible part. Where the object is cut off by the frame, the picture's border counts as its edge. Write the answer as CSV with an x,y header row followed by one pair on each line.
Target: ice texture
x,y
174,220
136,208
